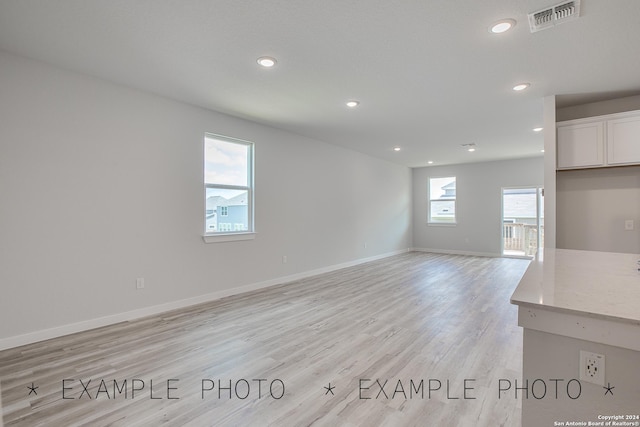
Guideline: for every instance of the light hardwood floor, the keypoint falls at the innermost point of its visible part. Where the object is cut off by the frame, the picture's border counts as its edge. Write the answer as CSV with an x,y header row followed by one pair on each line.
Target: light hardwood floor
x,y
403,319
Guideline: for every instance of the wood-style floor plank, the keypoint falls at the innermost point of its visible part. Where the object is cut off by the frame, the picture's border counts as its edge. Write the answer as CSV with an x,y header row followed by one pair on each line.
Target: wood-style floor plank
x,y
403,319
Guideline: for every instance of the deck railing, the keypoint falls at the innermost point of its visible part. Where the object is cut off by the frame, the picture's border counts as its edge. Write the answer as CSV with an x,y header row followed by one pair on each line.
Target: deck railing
x,y
521,239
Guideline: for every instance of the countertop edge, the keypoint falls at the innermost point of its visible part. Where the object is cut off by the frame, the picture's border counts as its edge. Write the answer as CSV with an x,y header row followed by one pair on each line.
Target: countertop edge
x,y
563,310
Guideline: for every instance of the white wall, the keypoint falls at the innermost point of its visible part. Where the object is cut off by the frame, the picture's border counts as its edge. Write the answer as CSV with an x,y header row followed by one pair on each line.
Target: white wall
x,y
593,205
101,184
479,200
599,108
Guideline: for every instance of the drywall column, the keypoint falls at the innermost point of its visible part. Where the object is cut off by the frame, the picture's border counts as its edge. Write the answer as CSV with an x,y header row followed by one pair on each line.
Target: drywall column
x,y
549,171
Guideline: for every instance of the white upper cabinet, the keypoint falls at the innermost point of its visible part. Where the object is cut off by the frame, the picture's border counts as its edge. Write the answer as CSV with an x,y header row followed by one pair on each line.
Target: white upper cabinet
x,y
581,145
623,141
601,141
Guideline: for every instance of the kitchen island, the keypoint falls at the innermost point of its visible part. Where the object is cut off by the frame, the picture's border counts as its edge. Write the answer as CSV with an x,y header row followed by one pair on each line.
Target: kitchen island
x,y
569,302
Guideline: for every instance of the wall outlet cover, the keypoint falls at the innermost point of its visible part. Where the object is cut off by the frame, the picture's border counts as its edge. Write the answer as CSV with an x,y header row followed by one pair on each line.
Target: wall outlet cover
x,y
592,367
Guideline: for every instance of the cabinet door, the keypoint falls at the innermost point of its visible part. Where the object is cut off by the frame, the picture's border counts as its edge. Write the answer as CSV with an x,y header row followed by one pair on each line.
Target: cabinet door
x,y
623,141
581,145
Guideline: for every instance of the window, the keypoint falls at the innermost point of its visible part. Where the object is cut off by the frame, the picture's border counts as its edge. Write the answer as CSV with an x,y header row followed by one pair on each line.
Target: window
x,y
442,200
228,181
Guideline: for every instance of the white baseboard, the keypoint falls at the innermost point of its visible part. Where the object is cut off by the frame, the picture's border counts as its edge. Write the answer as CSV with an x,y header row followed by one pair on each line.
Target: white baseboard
x,y
1,416
45,334
456,252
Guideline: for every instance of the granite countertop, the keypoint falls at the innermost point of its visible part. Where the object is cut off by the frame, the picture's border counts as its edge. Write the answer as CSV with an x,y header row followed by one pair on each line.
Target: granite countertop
x,y
598,284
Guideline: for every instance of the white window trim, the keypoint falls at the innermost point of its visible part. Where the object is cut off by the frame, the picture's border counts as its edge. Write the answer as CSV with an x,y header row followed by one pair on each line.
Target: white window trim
x,y
228,237
455,204
220,237
441,224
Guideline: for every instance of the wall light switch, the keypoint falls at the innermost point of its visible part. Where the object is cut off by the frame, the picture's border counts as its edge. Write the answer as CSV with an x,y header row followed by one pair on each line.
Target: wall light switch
x,y
628,224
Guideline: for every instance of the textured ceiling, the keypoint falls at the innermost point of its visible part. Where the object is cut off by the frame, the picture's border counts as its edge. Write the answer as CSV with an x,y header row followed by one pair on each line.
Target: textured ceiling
x,y
428,74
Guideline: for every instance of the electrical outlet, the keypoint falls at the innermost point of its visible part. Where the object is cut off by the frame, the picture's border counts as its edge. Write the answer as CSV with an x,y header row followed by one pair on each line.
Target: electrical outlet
x,y
592,367
140,283
628,224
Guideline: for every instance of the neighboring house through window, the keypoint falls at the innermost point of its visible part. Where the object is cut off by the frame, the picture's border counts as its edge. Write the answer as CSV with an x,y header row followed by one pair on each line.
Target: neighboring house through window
x,y
442,200
228,179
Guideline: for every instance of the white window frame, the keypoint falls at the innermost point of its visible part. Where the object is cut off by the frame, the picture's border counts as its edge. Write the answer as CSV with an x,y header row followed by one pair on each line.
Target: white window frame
x,y
229,236
430,221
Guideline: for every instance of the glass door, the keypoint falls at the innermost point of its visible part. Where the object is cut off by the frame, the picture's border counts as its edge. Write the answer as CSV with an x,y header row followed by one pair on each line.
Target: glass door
x,y
522,221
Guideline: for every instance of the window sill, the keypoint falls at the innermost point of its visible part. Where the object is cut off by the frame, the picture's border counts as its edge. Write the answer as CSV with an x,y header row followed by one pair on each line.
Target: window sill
x,y
228,237
442,224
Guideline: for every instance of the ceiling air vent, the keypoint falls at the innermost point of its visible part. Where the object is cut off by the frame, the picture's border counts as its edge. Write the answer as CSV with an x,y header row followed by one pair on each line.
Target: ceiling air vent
x,y
554,15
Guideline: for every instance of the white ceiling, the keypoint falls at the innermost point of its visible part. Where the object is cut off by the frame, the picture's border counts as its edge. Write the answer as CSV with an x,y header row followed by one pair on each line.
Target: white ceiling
x,y
428,73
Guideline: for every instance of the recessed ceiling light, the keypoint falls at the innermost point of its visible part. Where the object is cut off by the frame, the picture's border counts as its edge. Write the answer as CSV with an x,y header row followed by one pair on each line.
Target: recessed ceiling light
x,y
267,61
537,129
542,151
471,149
430,162
353,103
521,86
502,26
396,149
